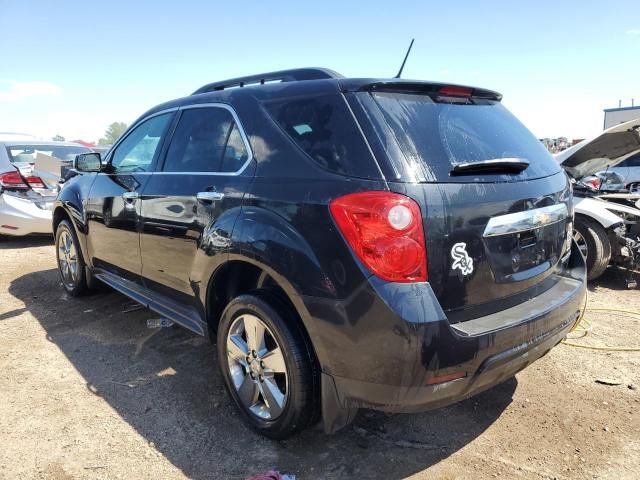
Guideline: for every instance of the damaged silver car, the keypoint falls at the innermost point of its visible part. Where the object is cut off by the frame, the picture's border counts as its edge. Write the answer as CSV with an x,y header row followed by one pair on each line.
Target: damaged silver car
x,y
30,172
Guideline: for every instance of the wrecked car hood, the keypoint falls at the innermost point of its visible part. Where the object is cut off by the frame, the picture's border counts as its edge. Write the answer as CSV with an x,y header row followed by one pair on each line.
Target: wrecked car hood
x,y
607,149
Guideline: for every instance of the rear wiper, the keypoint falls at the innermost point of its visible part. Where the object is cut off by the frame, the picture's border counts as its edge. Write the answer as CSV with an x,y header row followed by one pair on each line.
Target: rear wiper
x,y
496,165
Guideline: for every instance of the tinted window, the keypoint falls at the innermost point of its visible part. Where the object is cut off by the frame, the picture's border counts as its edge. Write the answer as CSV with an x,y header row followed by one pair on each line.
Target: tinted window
x,y
436,136
325,129
137,152
206,140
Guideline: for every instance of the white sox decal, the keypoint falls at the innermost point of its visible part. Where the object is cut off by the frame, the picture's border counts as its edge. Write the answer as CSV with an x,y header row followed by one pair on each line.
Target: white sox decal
x,y
461,259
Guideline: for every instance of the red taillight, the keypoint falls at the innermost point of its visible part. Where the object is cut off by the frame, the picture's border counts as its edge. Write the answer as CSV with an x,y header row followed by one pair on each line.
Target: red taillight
x,y
595,183
384,230
13,181
453,91
35,182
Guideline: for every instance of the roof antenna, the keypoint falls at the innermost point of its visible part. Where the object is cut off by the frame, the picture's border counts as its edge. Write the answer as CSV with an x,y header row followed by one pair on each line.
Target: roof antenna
x,y
405,59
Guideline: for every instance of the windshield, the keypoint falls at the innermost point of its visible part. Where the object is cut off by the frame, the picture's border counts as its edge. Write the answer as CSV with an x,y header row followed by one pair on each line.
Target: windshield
x,y
435,136
27,153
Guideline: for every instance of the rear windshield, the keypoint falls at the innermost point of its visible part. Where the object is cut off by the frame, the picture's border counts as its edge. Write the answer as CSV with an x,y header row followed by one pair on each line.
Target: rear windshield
x,y
324,127
436,136
27,153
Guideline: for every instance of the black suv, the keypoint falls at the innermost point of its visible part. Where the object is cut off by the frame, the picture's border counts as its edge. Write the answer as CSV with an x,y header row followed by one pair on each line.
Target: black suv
x,y
388,244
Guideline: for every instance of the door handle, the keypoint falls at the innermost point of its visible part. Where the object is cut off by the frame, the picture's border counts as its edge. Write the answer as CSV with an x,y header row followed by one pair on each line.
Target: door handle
x,y
209,196
130,196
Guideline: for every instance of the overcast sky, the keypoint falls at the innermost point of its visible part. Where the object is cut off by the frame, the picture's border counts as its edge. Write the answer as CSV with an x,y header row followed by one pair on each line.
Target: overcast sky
x,y
72,68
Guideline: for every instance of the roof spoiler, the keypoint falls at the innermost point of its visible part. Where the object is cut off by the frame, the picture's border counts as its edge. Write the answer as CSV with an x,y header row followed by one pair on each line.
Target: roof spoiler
x,y
444,89
293,75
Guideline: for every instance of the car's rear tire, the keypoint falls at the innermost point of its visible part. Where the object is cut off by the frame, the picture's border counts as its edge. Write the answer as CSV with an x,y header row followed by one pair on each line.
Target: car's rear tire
x,y
270,373
71,266
594,243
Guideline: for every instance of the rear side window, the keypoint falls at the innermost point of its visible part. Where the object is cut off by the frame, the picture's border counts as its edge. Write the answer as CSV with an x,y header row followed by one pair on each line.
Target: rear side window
x,y
206,140
435,136
326,130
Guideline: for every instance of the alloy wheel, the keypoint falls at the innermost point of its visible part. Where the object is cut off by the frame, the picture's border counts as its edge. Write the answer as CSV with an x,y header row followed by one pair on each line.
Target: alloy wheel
x,y
67,258
257,367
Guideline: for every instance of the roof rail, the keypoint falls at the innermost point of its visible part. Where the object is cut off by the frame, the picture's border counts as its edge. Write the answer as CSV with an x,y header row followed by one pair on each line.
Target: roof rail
x,y
293,75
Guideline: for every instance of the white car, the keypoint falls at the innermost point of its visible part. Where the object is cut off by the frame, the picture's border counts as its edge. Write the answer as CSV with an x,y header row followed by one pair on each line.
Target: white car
x,y
29,175
606,226
628,173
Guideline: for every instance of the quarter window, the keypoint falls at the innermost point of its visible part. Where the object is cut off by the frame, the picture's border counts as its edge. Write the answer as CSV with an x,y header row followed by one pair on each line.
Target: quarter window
x,y
138,151
206,140
325,129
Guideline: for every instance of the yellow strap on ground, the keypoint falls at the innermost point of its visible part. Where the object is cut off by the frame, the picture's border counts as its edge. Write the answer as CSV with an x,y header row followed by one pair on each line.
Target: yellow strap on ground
x,y
583,327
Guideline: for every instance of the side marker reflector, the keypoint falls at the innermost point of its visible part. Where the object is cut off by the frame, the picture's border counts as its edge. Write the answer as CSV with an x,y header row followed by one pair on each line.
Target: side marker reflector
x,y
445,378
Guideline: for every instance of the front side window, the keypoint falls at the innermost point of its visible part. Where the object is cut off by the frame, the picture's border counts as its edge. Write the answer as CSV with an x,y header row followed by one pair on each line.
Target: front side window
x,y
206,140
138,151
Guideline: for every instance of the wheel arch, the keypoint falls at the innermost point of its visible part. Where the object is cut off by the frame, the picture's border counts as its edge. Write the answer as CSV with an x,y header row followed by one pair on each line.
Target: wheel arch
x,y
241,275
61,213
267,250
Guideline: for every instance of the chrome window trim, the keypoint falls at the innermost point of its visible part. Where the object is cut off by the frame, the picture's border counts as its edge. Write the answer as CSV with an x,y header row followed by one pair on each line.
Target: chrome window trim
x,y
527,220
243,135
245,140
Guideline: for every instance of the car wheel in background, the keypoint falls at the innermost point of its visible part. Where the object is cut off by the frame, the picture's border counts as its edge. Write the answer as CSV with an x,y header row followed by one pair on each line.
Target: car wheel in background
x,y
71,265
593,241
267,365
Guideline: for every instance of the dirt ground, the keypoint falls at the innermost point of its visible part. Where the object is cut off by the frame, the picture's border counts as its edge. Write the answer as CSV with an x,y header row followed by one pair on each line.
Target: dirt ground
x,y
88,391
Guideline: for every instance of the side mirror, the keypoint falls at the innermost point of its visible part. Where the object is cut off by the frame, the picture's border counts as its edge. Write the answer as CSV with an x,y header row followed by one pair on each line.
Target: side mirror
x,y
88,162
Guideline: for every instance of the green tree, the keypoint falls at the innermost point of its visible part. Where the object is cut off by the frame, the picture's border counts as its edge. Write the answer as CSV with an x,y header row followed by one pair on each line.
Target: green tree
x,y
113,132
58,138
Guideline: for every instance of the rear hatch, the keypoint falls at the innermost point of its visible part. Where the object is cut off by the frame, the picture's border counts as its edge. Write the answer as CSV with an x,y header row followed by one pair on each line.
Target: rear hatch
x,y
495,205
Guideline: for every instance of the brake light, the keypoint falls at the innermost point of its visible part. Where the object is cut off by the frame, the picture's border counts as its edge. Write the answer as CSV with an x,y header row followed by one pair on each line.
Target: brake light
x,y
595,183
454,91
13,181
385,231
35,182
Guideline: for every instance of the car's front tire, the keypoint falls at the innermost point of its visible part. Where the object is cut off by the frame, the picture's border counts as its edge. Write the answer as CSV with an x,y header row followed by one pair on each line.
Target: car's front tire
x,y
71,266
267,365
593,241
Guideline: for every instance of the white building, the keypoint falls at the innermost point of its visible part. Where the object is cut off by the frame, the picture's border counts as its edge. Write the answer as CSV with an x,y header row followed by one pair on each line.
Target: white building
x,y
616,116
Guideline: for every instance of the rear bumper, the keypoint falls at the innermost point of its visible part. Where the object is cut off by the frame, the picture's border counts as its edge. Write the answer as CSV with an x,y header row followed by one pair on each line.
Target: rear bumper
x,y
494,369
20,217
419,352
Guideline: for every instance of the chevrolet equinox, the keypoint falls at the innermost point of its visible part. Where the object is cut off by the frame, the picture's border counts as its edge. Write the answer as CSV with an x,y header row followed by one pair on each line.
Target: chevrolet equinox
x,y
348,243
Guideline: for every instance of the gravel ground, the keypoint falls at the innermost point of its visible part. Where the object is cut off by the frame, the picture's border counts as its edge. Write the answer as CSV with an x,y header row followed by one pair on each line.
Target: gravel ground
x,y
88,391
